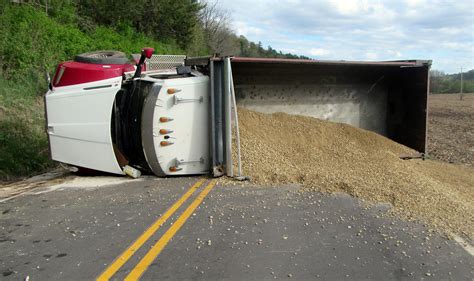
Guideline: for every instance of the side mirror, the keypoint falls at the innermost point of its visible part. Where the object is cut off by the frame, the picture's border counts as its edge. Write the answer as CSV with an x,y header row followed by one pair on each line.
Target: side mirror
x,y
146,54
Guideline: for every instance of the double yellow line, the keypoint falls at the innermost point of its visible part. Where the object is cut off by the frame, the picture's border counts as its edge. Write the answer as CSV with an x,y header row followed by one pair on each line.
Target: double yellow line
x,y
151,255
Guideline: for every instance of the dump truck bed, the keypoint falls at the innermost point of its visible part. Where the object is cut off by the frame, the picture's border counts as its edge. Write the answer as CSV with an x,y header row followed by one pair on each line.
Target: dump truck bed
x,y
388,97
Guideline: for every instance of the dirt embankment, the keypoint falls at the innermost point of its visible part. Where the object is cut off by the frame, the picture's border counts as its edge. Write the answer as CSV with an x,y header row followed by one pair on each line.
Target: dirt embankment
x,y
331,157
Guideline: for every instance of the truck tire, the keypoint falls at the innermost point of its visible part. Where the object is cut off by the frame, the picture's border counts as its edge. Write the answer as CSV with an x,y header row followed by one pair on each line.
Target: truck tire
x,y
102,57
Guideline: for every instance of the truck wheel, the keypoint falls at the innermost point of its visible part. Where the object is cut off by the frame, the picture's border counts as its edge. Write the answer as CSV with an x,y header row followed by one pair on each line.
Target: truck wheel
x,y
103,57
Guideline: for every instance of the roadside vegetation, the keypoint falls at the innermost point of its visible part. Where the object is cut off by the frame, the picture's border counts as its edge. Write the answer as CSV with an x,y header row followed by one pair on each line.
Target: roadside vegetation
x,y
23,143
35,38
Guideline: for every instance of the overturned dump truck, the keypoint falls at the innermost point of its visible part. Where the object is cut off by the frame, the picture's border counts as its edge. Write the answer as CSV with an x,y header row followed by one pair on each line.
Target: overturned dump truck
x,y
173,115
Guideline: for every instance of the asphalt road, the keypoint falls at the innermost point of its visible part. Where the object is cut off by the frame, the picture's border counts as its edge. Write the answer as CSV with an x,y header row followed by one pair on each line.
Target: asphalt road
x,y
236,233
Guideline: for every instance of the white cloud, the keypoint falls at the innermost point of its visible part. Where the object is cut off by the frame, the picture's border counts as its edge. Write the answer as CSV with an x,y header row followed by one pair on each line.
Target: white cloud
x,y
319,52
371,55
349,7
396,54
415,3
243,28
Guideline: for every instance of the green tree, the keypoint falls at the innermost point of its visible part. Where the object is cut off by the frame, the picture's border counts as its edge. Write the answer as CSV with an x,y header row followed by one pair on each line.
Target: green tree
x,y
168,20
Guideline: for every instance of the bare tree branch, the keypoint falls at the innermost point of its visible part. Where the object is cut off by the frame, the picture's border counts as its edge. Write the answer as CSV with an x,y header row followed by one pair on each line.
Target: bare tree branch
x,y
216,23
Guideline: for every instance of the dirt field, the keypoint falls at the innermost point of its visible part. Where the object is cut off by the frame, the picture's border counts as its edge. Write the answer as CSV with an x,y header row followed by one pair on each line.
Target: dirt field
x,y
451,128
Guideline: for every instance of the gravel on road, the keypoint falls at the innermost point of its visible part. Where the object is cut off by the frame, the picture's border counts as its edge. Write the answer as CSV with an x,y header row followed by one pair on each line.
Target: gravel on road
x,y
332,157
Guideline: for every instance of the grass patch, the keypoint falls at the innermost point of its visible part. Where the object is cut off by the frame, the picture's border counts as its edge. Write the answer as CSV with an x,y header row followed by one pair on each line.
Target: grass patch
x,y
32,42
23,141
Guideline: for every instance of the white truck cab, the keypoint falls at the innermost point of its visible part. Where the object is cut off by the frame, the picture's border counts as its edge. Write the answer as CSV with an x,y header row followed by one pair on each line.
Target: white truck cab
x,y
101,116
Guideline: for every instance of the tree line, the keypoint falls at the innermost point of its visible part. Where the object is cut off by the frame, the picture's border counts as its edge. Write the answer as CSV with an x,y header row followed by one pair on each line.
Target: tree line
x,y
441,83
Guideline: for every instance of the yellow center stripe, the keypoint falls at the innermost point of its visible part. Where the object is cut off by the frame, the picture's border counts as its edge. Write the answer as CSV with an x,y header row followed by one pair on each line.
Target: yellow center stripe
x,y
145,262
128,253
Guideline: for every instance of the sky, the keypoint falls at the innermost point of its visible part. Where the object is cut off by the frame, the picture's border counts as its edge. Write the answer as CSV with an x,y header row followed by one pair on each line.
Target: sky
x,y
442,31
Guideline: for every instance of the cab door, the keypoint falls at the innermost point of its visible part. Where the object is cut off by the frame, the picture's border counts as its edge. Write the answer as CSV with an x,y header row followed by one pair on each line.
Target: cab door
x,y
78,124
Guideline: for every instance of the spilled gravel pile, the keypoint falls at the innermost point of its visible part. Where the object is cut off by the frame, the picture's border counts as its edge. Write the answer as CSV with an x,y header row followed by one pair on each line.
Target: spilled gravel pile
x,y
332,157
